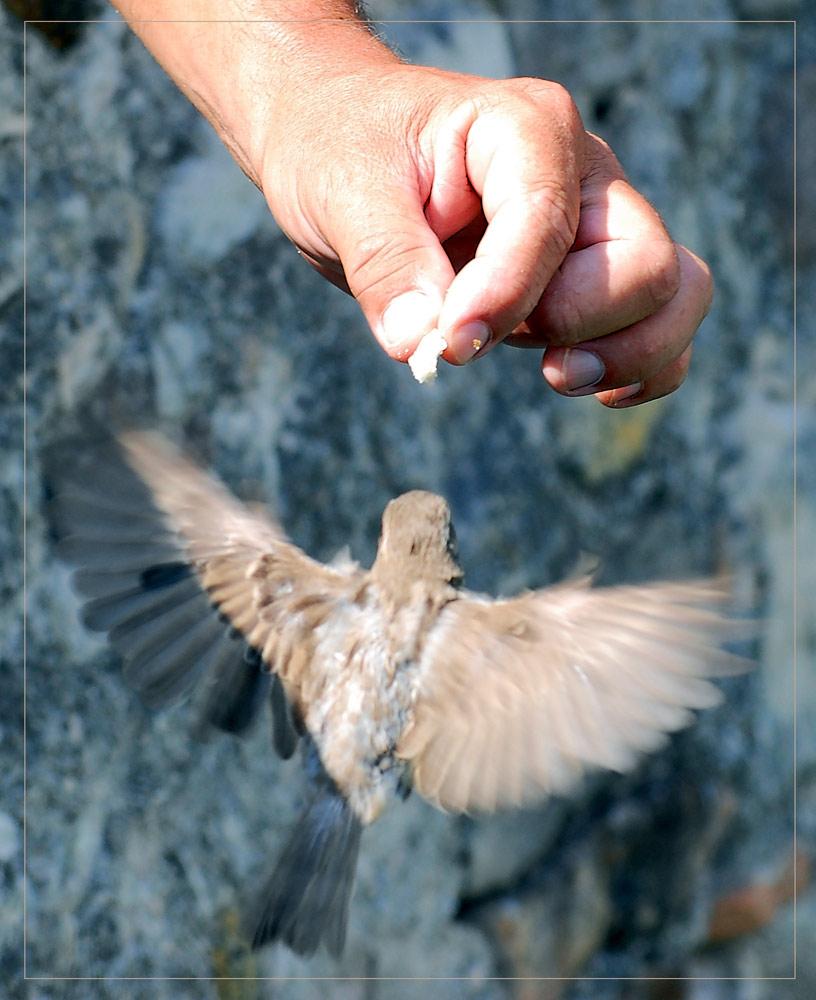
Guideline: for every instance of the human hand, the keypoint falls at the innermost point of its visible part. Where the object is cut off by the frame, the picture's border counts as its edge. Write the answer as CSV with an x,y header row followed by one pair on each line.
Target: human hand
x,y
483,208
441,200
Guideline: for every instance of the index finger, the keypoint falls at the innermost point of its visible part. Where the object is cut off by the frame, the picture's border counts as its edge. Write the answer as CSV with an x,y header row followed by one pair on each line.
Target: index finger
x,y
523,159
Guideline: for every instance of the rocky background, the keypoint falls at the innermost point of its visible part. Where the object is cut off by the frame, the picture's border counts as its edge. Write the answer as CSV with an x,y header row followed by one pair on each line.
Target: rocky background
x,y
159,287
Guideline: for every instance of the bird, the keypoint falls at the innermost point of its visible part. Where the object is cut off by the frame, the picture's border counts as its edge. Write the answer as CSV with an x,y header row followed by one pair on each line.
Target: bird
x,y
388,679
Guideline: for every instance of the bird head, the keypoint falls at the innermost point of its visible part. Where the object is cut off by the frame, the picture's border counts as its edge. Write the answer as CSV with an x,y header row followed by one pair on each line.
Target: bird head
x,y
418,540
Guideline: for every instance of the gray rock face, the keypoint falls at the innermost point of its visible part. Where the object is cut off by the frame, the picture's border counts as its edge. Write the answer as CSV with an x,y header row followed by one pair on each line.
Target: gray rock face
x,y
159,289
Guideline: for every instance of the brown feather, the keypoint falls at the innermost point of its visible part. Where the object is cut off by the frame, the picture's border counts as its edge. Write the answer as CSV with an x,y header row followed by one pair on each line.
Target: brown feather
x,y
269,590
554,682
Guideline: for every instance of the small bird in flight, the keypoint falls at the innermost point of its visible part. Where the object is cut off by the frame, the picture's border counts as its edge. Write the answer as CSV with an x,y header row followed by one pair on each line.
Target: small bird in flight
x,y
391,678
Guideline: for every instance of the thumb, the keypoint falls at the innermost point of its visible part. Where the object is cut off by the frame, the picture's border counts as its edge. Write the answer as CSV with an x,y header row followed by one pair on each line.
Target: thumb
x,y
395,267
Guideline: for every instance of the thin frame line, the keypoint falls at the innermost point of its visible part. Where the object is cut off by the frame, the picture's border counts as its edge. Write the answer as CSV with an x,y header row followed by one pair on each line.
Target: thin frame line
x,y
25,492
414,979
391,20
795,532
121,20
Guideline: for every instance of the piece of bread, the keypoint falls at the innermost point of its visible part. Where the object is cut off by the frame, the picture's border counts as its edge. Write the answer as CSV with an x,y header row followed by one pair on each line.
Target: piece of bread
x,y
423,360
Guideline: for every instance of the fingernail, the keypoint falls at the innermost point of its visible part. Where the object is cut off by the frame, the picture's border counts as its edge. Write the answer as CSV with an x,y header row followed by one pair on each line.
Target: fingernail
x,y
581,371
469,340
407,318
626,393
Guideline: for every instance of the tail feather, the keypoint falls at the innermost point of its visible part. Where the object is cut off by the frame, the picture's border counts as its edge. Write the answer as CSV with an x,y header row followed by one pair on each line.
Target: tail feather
x,y
306,899
285,724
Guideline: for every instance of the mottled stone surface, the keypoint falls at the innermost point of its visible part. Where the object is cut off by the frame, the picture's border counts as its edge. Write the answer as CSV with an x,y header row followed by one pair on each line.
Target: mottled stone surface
x,y
159,288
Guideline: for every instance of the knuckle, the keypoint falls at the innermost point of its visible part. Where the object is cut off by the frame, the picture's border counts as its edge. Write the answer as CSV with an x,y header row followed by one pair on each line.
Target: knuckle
x,y
600,162
697,279
677,377
555,94
671,378
548,105
558,211
706,287
378,256
567,318
562,101
665,274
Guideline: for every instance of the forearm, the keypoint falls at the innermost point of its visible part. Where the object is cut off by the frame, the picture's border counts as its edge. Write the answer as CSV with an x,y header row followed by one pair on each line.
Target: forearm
x,y
243,63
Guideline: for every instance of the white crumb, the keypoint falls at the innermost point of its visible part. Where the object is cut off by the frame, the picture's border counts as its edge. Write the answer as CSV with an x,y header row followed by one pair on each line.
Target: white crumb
x,y
423,360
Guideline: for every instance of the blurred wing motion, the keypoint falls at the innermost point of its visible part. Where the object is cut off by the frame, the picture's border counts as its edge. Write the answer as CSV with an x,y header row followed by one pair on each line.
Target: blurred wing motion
x,y
518,697
188,581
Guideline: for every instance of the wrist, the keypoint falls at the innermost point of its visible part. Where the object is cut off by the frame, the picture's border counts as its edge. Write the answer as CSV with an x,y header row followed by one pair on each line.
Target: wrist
x,y
252,67
314,76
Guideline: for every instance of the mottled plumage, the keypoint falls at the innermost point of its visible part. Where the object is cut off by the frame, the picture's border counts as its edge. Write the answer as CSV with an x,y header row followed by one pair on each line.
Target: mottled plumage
x,y
391,678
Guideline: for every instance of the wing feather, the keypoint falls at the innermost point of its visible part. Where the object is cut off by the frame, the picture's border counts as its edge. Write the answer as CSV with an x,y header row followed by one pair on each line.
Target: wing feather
x,y
183,577
102,614
517,698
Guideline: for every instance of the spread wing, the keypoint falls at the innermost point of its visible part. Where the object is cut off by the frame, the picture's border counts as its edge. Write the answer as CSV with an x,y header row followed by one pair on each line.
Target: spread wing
x,y
188,581
517,698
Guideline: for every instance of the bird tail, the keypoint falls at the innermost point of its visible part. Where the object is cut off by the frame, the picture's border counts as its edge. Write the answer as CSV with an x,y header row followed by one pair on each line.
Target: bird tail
x,y
306,899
